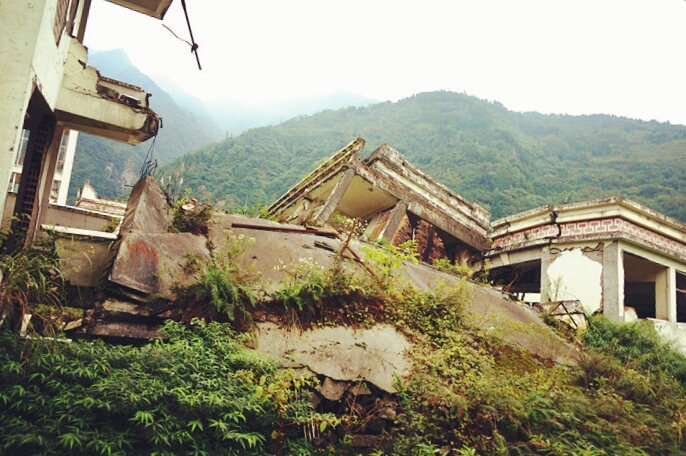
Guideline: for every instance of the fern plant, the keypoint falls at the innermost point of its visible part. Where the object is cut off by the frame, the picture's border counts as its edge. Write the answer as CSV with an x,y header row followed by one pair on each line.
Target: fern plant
x,y
223,289
30,277
198,391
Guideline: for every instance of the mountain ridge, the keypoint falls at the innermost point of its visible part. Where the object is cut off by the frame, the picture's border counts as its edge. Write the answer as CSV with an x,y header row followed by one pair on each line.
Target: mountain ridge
x,y
504,160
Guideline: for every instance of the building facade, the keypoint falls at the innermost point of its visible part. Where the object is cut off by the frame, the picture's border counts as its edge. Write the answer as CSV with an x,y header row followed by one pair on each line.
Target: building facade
x,y
47,89
613,255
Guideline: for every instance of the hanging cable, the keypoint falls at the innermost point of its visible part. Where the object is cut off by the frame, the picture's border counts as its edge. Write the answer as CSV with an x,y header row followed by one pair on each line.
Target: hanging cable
x,y
149,165
194,45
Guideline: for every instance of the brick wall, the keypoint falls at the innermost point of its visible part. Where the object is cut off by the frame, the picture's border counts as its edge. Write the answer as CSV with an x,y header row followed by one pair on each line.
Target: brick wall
x,y
430,246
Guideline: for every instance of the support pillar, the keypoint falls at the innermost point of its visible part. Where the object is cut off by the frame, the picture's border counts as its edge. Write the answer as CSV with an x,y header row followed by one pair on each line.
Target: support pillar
x,y
394,221
328,208
545,281
613,281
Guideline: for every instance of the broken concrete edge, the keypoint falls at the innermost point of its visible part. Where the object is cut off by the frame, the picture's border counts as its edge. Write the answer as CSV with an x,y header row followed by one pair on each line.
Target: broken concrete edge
x,y
322,173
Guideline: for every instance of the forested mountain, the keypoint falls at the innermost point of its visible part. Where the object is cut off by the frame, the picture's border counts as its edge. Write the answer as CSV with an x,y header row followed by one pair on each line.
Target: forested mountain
x,y
111,165
504,160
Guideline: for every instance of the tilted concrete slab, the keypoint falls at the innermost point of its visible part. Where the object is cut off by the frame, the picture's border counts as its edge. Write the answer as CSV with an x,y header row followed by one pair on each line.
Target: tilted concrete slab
x,y
154,263
148,210
149,261
375,355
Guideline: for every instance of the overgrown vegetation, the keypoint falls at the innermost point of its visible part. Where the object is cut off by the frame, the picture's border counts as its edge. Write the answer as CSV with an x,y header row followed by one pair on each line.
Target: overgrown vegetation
x,y
313,295
222,288
470,394
30,278
198,392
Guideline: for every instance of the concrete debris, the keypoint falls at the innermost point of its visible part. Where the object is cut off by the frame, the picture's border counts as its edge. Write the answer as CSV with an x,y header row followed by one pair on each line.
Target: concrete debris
x,y
359,389
72,325
332,390
343,354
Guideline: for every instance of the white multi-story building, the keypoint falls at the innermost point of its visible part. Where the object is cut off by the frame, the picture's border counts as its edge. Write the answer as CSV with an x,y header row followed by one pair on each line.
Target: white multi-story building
x,y
48,91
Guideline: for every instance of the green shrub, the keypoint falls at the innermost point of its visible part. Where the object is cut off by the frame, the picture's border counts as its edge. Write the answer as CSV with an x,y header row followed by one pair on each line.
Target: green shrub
x,y
30,277
191,216
223,288
198,392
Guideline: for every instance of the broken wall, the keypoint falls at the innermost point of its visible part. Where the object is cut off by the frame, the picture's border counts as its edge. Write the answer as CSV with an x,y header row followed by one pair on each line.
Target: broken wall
x,y
576,273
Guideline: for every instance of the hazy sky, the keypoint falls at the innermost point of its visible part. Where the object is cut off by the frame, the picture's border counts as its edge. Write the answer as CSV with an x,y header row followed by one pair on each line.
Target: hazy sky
x,y
622,57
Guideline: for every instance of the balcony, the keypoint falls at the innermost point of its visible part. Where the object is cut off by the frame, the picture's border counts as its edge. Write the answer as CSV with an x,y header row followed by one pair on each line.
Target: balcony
x,y
101,106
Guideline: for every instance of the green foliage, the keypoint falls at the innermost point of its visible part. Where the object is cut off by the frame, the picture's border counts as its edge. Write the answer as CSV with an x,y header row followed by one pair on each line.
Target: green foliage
x,y
463,270
191,216
386,259
223,288
311,294
258,210
506,161
473,393
30,277
636,342
197,392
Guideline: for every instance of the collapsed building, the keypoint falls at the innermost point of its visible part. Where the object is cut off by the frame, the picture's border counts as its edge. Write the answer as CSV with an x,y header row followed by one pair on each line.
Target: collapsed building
x,y
612,255
398,201
609,255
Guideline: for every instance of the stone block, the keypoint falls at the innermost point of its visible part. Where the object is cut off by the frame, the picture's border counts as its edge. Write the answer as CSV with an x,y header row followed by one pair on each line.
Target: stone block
x,y
153,263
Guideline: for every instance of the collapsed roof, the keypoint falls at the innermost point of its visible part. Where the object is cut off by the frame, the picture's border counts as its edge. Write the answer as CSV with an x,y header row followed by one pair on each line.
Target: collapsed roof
x,y
399,202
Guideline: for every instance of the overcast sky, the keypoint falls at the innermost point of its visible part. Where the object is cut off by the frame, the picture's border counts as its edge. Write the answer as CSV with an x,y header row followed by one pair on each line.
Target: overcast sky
x,y
622,57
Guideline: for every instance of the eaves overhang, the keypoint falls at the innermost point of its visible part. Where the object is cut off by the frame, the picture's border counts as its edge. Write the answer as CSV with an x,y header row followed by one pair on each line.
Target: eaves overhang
x,y
152,8
101,106
601,220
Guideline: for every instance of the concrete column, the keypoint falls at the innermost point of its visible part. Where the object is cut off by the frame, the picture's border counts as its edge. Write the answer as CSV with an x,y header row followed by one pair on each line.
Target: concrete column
x,y
613,281
20,24
45,185
670,294
396,217
67,167
328,208
545,281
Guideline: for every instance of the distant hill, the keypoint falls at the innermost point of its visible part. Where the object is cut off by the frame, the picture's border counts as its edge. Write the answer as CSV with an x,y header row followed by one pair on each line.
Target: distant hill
x,y
504,160
111,165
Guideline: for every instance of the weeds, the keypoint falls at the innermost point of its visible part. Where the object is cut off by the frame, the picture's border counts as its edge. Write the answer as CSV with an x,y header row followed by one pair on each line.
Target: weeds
x,y
223,289
258,210
30,277
463,270
191,216
312,295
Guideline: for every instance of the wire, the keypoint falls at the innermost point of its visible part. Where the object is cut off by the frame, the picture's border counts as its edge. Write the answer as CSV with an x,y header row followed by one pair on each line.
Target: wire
x,y
194,46
177,36
149,165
